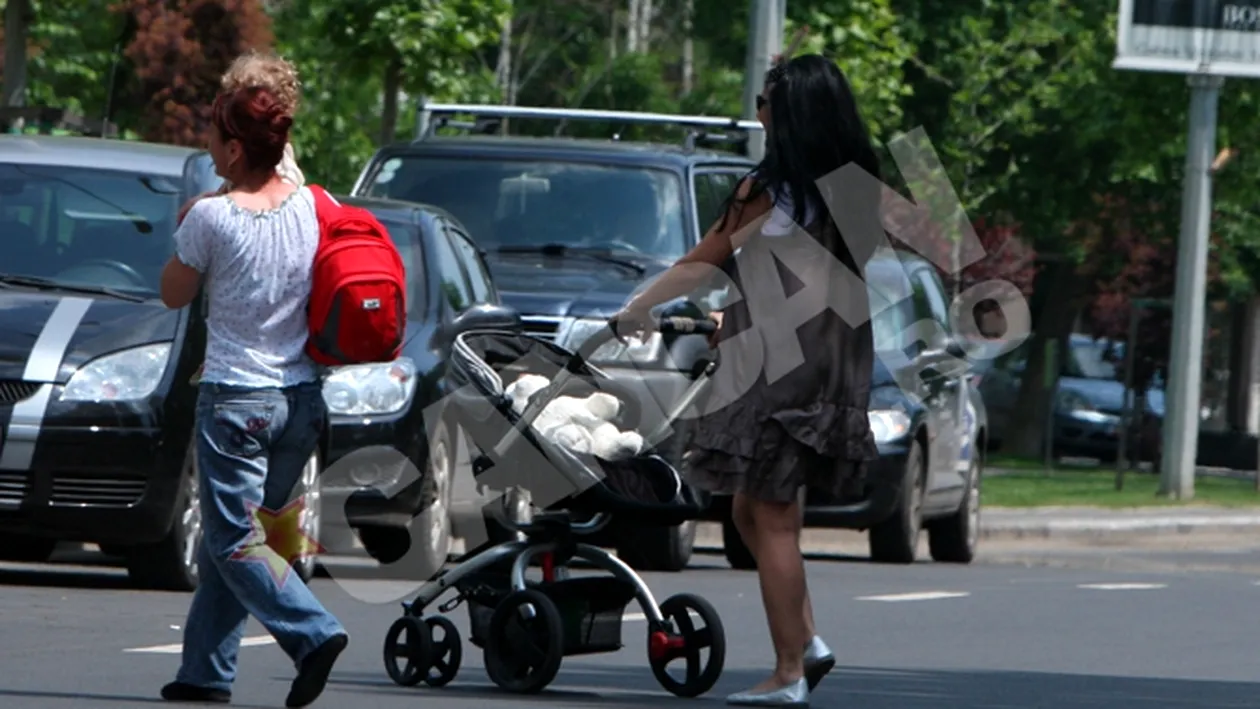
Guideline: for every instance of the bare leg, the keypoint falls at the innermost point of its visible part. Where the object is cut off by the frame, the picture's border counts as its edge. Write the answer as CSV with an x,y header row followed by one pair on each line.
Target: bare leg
x,y
781,572
742,518
811,631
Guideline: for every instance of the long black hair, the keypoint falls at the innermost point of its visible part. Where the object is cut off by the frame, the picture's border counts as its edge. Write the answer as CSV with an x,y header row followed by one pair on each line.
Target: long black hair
x,y
815,129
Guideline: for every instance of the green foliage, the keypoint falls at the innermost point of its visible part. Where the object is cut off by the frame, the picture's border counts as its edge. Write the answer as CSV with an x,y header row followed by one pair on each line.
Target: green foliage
x,y
1019,100
866,39
343,51
70,68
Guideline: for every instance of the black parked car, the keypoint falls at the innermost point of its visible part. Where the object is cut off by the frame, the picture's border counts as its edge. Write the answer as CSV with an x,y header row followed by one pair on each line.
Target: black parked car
x,y
929,424
95,400
402,519
571,228
96,403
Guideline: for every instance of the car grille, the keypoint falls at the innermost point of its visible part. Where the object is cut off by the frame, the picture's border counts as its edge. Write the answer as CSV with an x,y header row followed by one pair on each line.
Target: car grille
x,y
13,391
542,327
98,492
13,487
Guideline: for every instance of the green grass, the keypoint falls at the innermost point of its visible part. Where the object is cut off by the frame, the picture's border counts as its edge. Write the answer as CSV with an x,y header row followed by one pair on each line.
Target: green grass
x,y
1029,484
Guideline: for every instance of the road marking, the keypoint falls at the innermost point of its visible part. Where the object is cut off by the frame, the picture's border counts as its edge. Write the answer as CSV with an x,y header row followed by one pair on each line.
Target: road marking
x,y
1122,586
177,648
631,617
921,596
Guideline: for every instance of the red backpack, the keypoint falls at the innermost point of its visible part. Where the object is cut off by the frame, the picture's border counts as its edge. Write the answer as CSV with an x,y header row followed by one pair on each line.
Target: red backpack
x,y
358,311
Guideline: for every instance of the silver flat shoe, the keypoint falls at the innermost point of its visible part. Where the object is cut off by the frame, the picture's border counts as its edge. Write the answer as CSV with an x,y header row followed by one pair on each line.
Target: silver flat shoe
x,y
819,660
792,695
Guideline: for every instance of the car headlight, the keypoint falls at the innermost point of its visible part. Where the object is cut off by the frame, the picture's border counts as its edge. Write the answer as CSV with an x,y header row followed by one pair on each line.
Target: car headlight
x,y
631,351
888,425
370,389
128,375
1073,402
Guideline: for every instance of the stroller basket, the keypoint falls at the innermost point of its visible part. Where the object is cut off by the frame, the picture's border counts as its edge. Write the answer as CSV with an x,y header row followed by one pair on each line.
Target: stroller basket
x,y
591,608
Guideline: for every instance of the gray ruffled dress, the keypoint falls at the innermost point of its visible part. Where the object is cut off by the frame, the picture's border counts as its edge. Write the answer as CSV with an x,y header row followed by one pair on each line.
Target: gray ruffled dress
x,y
782,417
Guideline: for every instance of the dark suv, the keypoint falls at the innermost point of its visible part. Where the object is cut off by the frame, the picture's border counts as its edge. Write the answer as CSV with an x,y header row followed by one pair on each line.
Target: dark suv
x,y
571,228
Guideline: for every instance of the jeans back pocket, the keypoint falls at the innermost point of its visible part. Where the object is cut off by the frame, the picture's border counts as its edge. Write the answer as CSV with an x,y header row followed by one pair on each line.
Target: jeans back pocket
x,y
242,429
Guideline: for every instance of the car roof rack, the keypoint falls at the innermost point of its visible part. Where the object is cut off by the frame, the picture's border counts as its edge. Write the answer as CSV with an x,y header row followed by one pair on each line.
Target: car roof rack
x,y
488,118
48,121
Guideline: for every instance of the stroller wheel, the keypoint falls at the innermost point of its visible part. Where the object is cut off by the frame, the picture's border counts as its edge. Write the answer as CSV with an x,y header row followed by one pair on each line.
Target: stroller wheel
x,y
525,643
684,640
408,650
446,651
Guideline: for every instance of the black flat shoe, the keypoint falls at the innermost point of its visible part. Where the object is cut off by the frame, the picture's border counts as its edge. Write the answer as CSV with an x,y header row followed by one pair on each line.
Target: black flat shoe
x,y
182,692
313,674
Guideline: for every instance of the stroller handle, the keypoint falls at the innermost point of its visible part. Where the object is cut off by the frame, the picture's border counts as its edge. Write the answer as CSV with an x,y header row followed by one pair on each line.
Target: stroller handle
x,y
665,326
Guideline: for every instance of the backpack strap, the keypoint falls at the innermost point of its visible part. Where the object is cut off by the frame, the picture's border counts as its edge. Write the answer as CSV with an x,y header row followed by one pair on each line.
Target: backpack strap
x,y
323,200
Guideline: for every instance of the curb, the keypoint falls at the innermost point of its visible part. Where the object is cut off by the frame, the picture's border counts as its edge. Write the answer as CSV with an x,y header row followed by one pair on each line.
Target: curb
x,y
1029,527
1082,527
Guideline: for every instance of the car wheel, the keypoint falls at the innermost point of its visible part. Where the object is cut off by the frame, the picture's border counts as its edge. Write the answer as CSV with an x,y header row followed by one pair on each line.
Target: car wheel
x,y
954,539
24,549
171,564
896,539
432,528
310,517
738,555
664,548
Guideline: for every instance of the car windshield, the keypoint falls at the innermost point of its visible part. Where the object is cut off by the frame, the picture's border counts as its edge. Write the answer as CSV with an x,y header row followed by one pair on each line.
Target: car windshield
x,y
518,204
84,227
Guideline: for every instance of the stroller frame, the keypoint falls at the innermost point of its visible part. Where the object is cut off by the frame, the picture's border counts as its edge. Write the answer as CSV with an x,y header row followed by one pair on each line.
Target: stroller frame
x,y
591,624
523,552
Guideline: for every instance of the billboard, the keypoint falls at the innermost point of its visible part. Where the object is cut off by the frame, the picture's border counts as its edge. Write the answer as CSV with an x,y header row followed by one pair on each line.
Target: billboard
x,y
1213,37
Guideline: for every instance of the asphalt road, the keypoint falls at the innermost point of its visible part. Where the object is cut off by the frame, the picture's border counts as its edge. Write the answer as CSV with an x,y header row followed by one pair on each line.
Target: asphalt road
x,y
1041,631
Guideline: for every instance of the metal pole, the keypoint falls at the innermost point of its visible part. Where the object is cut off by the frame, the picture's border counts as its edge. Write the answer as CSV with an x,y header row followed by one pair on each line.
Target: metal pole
x,y
760,29
1050,377
1130,397
1181,420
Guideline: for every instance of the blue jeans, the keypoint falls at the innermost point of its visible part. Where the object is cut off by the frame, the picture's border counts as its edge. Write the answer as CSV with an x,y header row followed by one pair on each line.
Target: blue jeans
x,y
251,447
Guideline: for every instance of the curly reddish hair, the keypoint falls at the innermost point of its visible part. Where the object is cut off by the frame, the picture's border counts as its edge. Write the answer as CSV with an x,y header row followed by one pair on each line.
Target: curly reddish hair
x,y
259,120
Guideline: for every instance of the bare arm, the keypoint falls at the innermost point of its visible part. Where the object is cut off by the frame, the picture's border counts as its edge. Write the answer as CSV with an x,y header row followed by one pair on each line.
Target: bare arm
x,y
696,267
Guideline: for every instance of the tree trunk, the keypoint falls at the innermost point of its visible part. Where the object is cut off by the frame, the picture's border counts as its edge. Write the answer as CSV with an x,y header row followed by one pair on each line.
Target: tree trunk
x,y
389,107
689,48
504,71
1054,319
17,15
632,25
645,25
613,46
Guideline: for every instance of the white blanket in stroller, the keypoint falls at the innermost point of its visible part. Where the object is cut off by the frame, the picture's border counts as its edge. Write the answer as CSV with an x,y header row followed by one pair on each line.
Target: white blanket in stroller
x,y
580,425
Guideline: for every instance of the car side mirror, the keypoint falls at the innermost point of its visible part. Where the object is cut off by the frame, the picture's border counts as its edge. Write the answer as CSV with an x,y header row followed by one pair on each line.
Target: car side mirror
x,y
947,358
483,316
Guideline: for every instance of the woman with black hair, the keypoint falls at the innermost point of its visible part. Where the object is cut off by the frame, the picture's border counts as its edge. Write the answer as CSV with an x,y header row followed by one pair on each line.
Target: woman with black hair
x,y
793,414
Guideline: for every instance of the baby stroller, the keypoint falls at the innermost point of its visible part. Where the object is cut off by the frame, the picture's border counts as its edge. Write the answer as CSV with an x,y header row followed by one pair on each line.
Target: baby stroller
x,y
526,628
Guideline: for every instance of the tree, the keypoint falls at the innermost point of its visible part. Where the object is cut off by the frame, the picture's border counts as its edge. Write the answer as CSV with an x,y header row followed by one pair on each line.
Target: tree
x,y
179,52
68,67
358,60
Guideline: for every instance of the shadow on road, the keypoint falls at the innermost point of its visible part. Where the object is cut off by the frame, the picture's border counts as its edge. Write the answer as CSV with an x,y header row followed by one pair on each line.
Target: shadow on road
x,y
10,697
71,566
869,688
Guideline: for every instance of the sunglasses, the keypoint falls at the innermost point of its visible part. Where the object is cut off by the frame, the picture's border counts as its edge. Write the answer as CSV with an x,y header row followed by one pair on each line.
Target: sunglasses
x,y
761,102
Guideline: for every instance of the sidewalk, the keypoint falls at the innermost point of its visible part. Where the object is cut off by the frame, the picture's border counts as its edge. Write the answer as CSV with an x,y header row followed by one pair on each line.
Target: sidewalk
x,y
1081,524
1057,522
